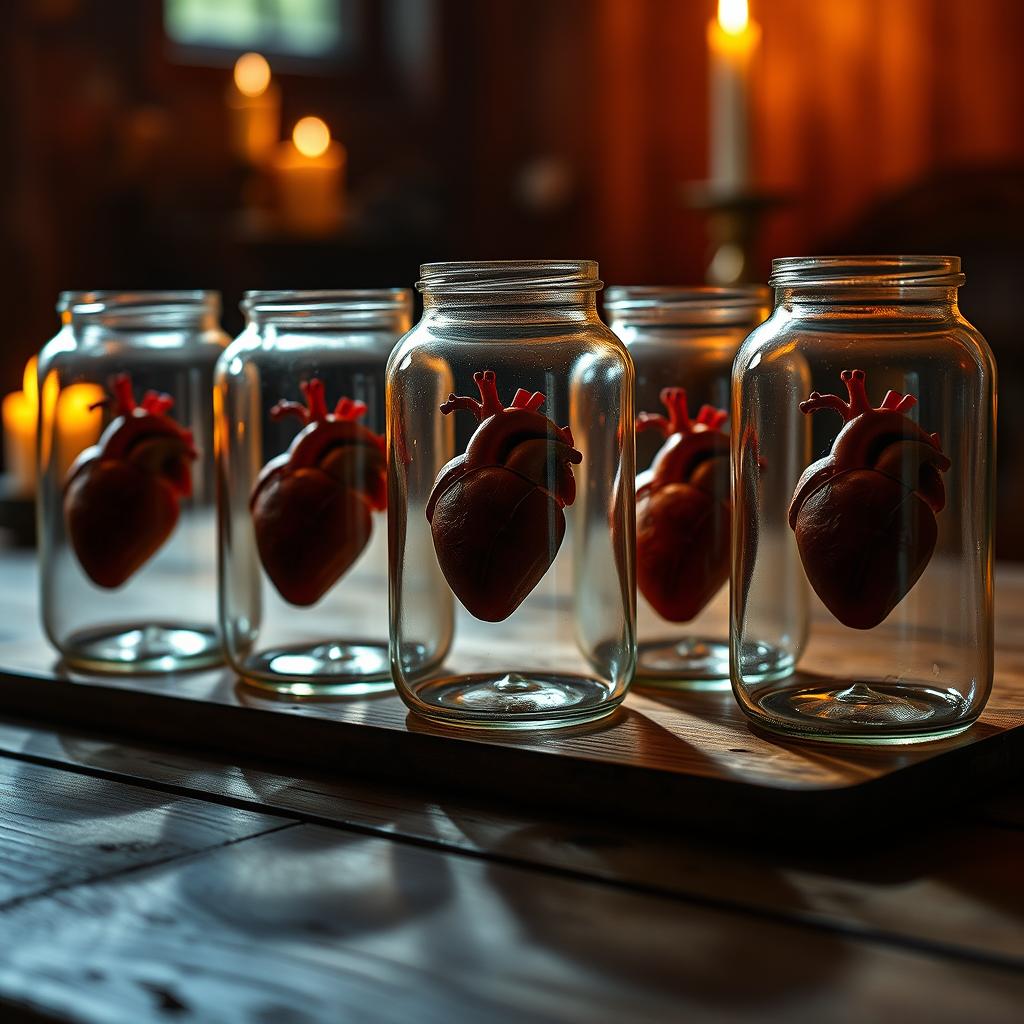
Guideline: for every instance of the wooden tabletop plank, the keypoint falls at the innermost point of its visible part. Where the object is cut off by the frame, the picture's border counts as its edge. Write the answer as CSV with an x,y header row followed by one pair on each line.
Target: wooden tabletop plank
x,y
60,828
313,924
953,889
691,758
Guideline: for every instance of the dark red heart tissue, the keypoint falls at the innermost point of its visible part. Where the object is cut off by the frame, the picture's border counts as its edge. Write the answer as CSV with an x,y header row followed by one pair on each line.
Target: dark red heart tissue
x,y
682,510
496,512
122,496
865,516
311,507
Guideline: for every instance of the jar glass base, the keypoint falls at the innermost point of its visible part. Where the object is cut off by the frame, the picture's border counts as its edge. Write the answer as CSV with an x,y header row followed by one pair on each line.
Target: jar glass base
x,y
702,663
333,668
864,712
514,700
144,648
691,663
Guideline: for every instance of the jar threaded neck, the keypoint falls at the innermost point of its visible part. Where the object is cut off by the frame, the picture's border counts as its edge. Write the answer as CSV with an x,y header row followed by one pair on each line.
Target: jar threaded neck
x,y
679,306
192,307
831,272
344,307
509,276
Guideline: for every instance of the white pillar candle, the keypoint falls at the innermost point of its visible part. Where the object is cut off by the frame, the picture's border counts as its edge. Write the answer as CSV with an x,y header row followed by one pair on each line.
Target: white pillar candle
x,y
254,110
310,173
78,423
732,42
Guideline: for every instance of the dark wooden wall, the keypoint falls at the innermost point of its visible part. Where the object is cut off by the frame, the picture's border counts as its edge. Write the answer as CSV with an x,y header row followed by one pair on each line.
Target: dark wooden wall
x,y
535,128
854,100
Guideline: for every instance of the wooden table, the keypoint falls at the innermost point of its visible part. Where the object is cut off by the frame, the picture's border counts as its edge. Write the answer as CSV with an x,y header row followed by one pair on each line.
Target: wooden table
x,y
147,882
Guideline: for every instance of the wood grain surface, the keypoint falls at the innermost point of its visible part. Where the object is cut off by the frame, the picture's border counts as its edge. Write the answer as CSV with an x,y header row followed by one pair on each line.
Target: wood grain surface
x,y
145,881
58,829
955,893
685,758
311,923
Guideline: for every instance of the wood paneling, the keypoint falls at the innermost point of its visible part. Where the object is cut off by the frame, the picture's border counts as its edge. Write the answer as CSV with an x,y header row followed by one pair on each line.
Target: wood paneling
x,y
861,98
853,100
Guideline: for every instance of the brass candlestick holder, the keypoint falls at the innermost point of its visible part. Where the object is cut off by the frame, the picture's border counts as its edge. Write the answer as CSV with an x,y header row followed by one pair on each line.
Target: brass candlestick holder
x,y
734,220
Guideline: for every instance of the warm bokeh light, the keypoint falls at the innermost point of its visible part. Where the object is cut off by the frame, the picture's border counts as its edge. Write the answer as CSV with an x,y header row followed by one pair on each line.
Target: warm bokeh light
x,y
78,405
30,380
311,136
252,74
733,16
78,424
28,398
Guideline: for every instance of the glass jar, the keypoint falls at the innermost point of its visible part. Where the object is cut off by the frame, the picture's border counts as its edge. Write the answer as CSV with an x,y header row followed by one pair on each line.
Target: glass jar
x,y
300,441
126,493
682,341
510,425
864,455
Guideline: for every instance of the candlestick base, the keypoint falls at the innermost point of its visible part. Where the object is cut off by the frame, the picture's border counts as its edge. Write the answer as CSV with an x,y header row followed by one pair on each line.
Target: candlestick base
x,y
734,219
17,513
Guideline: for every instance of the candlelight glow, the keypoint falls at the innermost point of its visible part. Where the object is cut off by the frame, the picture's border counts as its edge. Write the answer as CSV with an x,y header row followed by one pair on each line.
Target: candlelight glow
x,y
311,137
733,16
19,409
77,425
26,401
77,407
252,74
30,380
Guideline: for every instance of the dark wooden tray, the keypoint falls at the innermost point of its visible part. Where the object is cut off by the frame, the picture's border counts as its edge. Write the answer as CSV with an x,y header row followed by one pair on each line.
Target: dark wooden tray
x,y
682,760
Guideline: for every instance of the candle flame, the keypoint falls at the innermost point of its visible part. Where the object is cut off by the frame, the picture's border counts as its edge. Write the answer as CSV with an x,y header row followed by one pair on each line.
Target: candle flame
x,y
28,396
252,74
311,136
733,16
30,381
22,406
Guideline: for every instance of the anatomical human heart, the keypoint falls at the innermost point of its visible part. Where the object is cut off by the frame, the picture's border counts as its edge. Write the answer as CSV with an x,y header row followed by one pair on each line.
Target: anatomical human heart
x,y
122,496
311,506
683,510
496,512
865,515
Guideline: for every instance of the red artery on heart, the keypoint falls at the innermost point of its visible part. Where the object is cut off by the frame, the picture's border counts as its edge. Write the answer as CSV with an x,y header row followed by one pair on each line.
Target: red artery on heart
x,y
865,515
122,496
683,510
496,512
311,507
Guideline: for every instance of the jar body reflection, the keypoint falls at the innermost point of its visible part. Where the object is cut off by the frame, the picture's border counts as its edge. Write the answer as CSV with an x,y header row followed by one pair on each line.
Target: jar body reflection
x,y
682,342
864,460
302,476
511,516
126,499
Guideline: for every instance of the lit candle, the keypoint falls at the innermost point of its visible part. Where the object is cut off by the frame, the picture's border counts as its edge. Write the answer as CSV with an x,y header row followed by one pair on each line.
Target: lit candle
x,y
310,173
20,412
78,425
254,105
732,41
79,420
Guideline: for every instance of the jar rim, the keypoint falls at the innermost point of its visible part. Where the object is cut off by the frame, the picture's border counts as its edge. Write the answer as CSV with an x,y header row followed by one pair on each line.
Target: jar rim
x,y
72,297
481,277
196,302
685,304
301,302
880,271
